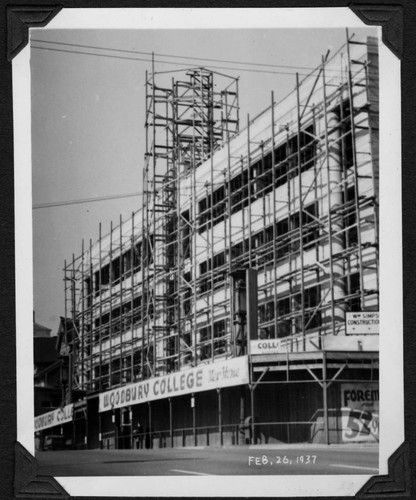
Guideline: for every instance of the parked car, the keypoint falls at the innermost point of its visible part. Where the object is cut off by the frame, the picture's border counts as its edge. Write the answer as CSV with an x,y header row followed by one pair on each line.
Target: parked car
x,y
54,442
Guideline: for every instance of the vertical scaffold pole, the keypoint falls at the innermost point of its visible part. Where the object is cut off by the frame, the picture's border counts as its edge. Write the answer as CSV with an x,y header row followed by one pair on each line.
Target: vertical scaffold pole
x,y
82,322
250,242
149,406
373,172
253,424
334,199
64,395
145,222
91,316
132,244
176,163
355,166
123,370
100,282
110,320
194,333
193,402
300,195
325,396
170,422
274,221
211,254
74,331
220,415
152,236
229,214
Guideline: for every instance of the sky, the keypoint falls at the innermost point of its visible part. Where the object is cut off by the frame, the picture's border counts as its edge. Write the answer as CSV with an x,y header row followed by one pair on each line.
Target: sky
x,y
88,115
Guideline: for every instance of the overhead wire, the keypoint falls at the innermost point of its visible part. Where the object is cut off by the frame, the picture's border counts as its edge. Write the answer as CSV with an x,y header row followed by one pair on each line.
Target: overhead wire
x,y
85,200
163,62
192,58
310,69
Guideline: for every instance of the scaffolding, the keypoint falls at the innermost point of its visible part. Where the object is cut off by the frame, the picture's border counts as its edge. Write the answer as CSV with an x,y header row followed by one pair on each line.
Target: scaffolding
x,y
294,195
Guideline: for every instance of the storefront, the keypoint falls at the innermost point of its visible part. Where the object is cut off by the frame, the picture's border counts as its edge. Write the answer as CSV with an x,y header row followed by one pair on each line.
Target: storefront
x,y
54,429
269,398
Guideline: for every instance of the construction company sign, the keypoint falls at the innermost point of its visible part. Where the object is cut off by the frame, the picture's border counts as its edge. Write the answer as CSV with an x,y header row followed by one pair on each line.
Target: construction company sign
x,y
362,323
265,346
55,417
360,412
198,379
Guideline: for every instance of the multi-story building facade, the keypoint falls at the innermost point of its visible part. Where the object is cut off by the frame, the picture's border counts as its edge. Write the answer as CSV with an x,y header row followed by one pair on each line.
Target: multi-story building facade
x,y
241,302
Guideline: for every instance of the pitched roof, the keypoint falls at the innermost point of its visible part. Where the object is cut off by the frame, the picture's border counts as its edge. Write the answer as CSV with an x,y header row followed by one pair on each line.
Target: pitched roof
x,y
40,330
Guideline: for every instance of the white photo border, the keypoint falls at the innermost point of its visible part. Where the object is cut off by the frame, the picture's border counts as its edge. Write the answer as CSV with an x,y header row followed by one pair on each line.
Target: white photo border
x,y
391,332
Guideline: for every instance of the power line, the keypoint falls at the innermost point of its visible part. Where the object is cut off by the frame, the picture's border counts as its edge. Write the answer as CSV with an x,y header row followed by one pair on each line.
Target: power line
x,y
192,58
168,62
85,200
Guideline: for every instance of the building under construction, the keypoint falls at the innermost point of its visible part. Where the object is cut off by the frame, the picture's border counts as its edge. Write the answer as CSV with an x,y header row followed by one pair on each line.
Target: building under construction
x,y
240,304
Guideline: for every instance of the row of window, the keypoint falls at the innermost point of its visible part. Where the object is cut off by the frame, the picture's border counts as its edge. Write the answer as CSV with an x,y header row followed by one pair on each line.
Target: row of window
x,y
129,368
119,267
285,167
285,307
284,245
244,189
120,319
291,306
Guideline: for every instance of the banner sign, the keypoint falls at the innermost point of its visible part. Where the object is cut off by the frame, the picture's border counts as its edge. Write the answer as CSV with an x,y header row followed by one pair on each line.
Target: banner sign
x,y
360,412
362,323
266,346
201,378
53,418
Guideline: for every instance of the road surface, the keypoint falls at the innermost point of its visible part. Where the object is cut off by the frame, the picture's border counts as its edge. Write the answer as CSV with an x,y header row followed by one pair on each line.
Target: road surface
x,y
244,460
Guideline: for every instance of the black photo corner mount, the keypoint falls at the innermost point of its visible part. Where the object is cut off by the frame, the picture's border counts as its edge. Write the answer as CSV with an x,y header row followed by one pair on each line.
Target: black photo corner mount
x,y
395,483
27,484
389,17
22,17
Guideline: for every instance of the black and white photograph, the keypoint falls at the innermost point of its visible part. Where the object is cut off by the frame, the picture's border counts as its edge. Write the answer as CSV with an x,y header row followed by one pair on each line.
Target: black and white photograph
x,y
215,261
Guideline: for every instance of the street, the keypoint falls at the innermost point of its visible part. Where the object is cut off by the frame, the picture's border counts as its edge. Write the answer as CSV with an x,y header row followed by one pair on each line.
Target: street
x,y
244,460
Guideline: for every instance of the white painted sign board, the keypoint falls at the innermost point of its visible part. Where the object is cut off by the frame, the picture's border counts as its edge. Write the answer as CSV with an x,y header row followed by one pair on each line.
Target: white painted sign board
x,y
362,323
